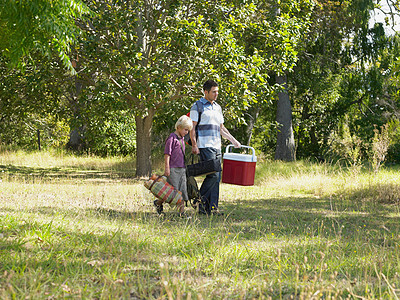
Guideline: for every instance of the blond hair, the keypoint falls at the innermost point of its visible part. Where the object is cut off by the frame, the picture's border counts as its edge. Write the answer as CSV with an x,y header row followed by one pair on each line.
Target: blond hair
x,y
184,122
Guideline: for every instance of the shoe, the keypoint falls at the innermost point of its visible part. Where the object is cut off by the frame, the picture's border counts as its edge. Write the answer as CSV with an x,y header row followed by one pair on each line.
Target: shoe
x,y
184,215
203,209
203,212
159,208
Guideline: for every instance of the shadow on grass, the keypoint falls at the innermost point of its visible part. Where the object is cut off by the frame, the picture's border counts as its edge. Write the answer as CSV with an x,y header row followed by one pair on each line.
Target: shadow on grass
x,y
298,215
65,173
254,219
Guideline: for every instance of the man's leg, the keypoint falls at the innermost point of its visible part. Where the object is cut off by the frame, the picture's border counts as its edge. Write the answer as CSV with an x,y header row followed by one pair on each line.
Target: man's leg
x,y
210,187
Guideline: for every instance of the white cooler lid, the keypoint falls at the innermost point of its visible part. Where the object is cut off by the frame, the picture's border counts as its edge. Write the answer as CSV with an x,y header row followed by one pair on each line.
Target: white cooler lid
x,y
240,157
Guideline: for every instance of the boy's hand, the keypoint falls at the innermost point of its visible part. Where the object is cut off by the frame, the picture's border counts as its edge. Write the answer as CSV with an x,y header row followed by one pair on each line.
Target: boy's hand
x,y
167,172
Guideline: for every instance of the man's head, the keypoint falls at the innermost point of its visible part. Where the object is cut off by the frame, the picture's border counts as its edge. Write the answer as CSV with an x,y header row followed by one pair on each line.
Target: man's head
x,y
210,88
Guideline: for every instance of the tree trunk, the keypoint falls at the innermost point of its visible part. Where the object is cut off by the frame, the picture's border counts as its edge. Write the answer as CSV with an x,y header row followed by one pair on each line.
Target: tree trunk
x,y
143,144
76,136
285,146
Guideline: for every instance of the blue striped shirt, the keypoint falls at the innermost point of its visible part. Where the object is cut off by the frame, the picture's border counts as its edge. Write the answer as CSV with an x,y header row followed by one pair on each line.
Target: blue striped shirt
x,y
209,134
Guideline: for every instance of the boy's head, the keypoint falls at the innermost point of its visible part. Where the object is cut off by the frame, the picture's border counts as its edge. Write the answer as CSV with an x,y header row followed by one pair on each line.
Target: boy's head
x,y
184,122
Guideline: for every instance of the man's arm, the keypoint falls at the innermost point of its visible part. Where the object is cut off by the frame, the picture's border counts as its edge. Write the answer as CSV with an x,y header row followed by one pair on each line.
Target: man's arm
x,y
195,150
226,134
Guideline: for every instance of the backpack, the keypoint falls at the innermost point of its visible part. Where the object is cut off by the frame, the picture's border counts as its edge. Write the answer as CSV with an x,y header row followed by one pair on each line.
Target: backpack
x,y
200,109
195,199
192,190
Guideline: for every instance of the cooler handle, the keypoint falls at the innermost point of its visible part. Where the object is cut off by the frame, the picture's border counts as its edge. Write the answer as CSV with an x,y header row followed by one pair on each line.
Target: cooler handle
x,y
242,146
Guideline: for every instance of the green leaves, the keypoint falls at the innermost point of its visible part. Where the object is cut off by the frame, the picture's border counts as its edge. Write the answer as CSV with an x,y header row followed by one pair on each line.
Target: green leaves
x,y
39,25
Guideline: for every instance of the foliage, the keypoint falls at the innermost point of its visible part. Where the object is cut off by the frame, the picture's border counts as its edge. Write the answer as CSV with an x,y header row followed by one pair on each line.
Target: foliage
x,y
350,147
146,56
111,133
370,93
26,133
346,146
253,43
270,39
380,145
42,98
30,101
28,26
393,154
264,132
138,61
342,76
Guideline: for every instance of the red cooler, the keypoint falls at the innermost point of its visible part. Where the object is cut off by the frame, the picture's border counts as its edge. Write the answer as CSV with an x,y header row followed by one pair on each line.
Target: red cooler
x,y
239,168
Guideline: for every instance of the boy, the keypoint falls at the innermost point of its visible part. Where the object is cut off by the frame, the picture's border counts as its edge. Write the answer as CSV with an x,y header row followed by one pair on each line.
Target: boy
x,y
174,159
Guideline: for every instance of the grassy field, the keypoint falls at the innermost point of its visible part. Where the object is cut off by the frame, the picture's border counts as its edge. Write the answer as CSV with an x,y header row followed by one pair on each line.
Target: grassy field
x,y
83,227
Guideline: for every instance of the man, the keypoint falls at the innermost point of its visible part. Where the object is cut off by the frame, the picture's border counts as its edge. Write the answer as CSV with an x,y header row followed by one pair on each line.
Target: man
x,y
208,143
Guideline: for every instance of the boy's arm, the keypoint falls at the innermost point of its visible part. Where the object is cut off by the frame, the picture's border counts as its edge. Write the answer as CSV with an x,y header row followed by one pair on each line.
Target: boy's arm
x,y
226,134
167,170
195,150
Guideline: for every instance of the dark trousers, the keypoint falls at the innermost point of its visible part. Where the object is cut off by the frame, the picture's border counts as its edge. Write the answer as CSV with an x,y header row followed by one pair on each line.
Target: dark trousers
x,y
210,187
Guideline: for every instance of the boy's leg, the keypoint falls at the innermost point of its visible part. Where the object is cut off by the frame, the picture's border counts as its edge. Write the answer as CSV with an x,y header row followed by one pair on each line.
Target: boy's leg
x,y
177,179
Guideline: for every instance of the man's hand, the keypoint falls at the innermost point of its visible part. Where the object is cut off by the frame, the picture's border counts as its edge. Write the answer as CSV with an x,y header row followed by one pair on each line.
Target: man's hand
x,y
226,134
236,144
167,172
195,150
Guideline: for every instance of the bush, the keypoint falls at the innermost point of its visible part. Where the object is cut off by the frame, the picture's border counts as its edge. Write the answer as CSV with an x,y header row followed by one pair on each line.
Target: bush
x,y
23,132
112,133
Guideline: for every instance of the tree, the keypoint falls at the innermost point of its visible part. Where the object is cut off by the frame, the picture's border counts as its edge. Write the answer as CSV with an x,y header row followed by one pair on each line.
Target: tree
x,y
153,55
273,36
337,49
147,54
32,34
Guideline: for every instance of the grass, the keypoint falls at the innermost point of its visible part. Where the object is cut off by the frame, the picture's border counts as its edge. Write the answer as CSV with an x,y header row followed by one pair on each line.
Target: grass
x,y
83,227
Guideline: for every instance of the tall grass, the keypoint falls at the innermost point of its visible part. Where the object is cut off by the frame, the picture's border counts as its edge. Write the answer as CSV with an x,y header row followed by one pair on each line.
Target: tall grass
x,y
304,231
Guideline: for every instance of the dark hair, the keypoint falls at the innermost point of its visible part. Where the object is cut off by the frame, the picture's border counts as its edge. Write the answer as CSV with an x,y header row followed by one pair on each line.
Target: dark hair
x,y
209,84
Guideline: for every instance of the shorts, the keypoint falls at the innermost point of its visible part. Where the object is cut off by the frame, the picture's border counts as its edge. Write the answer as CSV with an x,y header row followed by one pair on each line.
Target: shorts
x,y
177,179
